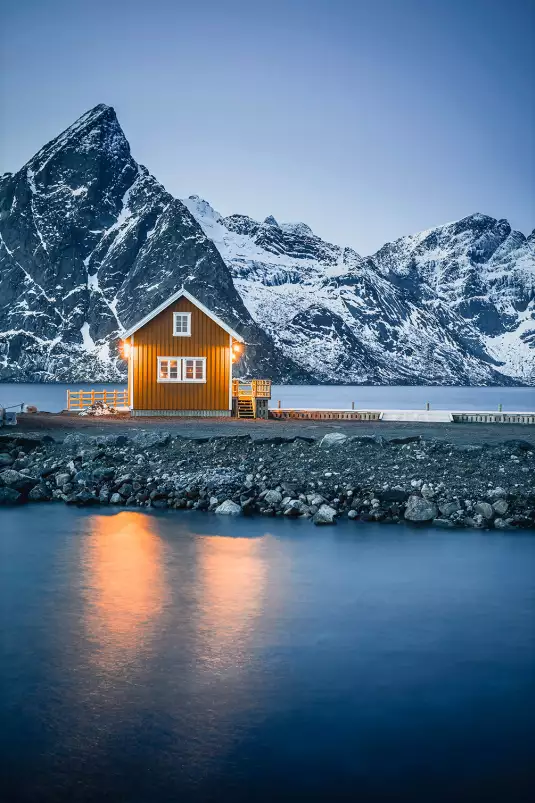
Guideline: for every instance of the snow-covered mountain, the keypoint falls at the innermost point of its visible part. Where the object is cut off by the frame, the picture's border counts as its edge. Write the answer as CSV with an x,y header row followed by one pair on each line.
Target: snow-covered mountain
x,y
90,242
455,304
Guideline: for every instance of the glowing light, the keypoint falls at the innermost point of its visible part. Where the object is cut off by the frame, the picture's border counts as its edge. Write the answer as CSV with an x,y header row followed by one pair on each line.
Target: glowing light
x,y
125,348
236,351
125,586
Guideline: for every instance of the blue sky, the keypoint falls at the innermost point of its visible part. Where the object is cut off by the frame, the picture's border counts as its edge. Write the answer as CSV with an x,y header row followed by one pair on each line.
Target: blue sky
x,y
366,119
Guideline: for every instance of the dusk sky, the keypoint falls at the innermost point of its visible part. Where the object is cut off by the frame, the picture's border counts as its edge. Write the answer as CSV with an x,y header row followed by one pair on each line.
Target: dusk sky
x,y
366,119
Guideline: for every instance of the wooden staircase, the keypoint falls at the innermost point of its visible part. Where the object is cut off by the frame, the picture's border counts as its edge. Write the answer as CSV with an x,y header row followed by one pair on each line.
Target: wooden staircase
x,y
245,407
250,398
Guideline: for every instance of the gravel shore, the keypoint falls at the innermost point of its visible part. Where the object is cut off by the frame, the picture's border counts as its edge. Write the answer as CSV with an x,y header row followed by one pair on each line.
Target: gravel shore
x,y
273,471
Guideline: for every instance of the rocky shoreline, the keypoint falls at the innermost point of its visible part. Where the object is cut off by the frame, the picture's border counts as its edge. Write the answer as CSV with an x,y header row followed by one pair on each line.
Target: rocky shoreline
x,y
363,477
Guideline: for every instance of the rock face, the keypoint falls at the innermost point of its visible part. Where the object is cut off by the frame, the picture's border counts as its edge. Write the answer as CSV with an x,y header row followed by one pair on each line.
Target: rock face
x,y
90,242
453,305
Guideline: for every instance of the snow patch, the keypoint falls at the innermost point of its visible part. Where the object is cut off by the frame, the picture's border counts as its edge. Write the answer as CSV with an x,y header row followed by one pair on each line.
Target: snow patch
x,y
87,341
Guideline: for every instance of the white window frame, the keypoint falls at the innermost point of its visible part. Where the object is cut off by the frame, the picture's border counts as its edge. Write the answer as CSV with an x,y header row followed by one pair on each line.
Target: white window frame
x,y
202,360
168,378
187,316
181,370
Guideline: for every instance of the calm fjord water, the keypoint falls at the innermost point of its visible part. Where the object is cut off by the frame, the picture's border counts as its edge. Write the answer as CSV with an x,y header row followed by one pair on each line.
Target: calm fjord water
x,y
182,657
53,397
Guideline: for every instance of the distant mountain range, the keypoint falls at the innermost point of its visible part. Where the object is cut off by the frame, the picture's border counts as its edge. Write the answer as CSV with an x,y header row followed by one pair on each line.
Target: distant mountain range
x,y
90,242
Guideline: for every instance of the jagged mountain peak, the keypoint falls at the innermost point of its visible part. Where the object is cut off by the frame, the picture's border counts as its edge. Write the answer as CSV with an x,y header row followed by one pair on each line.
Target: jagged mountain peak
x,y
270,221
201,208
97,128
89,243
301,229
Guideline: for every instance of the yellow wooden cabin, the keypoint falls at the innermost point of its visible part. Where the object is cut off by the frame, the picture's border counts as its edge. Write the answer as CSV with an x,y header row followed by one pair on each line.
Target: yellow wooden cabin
x,y
180,360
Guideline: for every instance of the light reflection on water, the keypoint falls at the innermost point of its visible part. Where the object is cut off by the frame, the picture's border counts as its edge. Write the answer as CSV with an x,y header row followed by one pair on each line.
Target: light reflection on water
x,y
181,657
132,608
232,583
124,588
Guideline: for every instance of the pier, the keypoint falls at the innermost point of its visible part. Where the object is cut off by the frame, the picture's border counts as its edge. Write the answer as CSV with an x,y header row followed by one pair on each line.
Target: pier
x,y
416,416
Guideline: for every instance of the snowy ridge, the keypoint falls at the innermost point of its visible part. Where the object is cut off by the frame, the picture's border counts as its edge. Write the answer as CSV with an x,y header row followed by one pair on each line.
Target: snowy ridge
x,y
398,316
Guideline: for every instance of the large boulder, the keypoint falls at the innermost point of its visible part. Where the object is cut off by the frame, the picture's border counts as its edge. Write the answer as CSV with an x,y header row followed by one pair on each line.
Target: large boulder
x,y
151,440
325,515
332,439
449,508
40,493
5,460
273,498
500,507
420,509
295,508
228,508
17,481
8,496
484,509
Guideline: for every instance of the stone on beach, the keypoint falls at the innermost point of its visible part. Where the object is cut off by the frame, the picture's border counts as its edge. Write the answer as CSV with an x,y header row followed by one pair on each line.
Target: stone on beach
x,y
229,508
325,515
420,509
500,507
332,439
273,498
18,481
484,509
8,496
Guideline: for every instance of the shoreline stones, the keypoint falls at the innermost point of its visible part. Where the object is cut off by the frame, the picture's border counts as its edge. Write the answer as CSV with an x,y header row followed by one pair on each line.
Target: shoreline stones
x,y
364,478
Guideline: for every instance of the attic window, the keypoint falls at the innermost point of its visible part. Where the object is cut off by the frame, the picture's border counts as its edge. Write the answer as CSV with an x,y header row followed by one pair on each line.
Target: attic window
x,y
182,324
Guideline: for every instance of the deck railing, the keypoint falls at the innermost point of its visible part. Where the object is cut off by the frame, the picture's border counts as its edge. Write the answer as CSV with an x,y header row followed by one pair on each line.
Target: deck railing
x,y
80,399
254,389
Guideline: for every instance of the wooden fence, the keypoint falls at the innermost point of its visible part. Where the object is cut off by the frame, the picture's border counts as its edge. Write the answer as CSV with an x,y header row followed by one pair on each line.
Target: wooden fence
x,y
80,399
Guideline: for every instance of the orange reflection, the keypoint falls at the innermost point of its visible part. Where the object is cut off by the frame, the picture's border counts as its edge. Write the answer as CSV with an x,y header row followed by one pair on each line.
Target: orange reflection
x,y
232,574
125,586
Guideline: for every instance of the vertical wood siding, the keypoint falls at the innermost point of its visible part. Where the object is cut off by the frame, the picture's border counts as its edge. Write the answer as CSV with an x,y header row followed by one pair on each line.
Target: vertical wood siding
x,y
156,339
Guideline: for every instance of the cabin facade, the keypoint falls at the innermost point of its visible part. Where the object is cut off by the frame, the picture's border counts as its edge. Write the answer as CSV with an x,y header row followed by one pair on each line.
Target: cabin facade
x,y
180,360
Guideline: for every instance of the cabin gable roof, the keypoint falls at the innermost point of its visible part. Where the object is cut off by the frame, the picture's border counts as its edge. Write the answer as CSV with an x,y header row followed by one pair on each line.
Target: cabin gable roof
x,y
182,294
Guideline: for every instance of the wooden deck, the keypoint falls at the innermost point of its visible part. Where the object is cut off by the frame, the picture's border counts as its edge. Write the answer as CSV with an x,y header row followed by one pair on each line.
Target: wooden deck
x,y
325,415
420,416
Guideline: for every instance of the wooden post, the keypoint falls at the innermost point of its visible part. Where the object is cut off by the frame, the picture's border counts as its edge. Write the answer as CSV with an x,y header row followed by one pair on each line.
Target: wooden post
x,y
499,408
353,405
427,405
279,404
